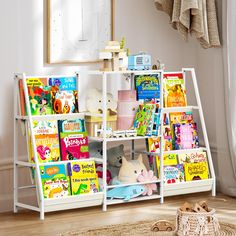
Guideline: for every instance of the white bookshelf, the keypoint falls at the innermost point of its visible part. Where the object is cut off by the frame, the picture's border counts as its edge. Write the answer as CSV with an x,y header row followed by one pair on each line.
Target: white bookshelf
x,y
86,200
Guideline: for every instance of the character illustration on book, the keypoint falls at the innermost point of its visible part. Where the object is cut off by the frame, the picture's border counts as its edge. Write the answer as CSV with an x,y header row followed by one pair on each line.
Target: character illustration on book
x,y
81,188
44,152
43,102
93,187
69,156
59,192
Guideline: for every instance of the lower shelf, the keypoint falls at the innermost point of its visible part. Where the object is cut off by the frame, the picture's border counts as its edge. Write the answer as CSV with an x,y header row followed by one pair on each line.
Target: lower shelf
x,y
188,187
72,202
141,198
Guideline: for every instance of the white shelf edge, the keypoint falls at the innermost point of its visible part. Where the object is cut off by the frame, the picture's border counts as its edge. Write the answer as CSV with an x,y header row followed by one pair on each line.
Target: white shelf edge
x,y
131,184
98,72
185,150
25,163
140,198
119,139
179,109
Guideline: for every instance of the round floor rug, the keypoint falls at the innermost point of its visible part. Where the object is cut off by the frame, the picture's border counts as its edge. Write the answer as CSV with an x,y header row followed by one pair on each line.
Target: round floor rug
x,y
140,228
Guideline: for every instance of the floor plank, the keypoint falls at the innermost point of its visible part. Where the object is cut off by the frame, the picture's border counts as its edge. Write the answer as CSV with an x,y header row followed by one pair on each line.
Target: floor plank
x,y
28,223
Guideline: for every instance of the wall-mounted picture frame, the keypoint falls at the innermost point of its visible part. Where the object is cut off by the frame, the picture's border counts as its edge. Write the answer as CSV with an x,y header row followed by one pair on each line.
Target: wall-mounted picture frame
x,y
78,29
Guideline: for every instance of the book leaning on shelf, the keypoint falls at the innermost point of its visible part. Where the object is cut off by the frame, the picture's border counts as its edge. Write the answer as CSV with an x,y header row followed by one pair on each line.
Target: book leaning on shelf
x,y
50,95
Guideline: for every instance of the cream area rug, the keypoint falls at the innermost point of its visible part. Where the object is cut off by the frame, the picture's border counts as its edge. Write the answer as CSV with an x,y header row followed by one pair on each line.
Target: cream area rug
x,y
140,228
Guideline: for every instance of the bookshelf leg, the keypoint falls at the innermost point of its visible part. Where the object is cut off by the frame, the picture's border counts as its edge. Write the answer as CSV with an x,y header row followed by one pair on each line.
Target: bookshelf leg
x,y
15,210
104,207
41,215
214,189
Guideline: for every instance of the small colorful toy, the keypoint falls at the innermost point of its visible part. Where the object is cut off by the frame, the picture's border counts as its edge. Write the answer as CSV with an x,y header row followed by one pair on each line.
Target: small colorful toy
x,y
126,193
141,61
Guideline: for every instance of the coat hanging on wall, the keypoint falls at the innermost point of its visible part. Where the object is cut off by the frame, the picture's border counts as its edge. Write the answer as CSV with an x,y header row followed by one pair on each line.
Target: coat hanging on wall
x,y
197,17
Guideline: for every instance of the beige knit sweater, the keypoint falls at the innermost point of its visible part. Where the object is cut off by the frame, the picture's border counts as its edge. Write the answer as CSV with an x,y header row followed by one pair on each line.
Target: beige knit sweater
x,y
197,17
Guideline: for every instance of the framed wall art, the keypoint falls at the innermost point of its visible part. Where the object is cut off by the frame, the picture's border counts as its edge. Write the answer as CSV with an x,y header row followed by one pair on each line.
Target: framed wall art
x,y
78,29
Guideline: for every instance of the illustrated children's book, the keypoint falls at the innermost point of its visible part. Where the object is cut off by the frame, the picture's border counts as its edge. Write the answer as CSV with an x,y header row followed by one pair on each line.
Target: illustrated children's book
x,y
30,82
40,100
55,182
196,171
83,177
73,139
144,118
185,136
192,157
174,90
173,174
181,117
65,101
64,83
154,144
147,86
168,160
46,140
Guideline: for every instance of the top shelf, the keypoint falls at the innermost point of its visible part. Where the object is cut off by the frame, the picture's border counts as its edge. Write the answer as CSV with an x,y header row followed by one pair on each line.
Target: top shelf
x,y
98,72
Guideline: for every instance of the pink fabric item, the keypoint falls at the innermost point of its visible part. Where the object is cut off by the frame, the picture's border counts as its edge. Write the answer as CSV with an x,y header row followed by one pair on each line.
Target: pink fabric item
x,y
125,122
127,108
148,176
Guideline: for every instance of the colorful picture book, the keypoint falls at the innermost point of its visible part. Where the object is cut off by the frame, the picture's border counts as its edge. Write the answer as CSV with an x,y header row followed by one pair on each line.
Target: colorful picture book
x,y
154,144
50,95
64,83
55,181
185,136
46,140
64,102
73,139
174,90
173,174
83,177
168,160
192,157
196,171
144,119
181,117
147,86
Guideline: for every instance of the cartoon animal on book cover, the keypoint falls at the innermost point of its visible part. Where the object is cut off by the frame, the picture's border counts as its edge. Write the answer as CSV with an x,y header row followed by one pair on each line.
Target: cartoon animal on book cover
x,y
94,102
130,170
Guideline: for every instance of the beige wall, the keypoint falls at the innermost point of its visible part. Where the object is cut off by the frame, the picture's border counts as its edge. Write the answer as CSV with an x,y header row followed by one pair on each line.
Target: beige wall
x,y
144,28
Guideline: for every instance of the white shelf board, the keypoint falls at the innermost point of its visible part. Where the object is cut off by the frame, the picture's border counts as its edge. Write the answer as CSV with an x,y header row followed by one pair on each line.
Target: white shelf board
x,y
185,150
118,139
188,187
131,184
25,163
136,199
53,117
72,202
179,109
98,72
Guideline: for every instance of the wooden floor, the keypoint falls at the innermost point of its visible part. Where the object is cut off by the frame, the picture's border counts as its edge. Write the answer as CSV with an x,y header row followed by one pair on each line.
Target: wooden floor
x,y
28,223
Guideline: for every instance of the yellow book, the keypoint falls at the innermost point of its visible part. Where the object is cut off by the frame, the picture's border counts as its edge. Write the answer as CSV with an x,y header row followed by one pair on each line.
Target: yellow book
x,y
83,177
196,171
168,160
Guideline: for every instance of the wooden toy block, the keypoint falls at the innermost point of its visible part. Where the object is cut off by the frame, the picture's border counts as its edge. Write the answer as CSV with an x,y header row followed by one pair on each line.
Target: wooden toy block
x,y
204,205
113,43
186,207
197,208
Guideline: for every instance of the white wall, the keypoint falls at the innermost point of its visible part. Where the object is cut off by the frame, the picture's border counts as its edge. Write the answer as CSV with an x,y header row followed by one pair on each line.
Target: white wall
x,y
22,46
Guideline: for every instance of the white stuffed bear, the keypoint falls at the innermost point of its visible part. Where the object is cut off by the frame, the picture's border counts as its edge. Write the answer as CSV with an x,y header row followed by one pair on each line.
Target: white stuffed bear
x,y
94,102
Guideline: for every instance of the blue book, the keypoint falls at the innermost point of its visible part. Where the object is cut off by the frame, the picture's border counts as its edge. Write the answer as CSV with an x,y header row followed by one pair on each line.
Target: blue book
x,y
64,83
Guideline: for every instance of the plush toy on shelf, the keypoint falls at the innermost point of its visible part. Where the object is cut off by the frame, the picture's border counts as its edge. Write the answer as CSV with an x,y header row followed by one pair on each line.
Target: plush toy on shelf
x,y
148,176
130,170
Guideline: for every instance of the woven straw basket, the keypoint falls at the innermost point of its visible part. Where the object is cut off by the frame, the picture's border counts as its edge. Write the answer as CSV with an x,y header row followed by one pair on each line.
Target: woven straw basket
x,y
197,224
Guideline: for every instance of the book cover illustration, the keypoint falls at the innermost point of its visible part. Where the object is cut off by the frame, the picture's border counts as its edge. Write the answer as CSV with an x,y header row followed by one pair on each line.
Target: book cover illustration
x,y
65,102
181,117
64,83
173,174
73,139
147,86
154,144
55,182
196,171
168,160
192,157
144,118
174,90
83,177
30,82
40,100
185,136
46,140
